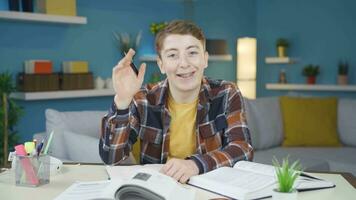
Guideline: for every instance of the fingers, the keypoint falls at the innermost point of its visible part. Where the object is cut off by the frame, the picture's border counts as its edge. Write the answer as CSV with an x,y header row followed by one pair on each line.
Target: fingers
x,y
166,167
126,60
141,72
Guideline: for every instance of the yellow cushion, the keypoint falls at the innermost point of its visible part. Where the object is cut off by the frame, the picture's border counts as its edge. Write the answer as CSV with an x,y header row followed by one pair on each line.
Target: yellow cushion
x,y
309,121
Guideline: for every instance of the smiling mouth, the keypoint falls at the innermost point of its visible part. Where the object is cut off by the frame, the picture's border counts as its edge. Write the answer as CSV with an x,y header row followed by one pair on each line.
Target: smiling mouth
x,y
186,75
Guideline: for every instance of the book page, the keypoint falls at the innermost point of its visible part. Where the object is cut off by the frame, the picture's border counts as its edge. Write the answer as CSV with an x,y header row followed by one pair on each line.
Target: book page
x,y
89,190
268,170
234,183
126,172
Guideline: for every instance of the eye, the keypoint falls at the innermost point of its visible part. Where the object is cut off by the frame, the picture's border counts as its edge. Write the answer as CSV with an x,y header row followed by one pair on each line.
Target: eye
x,y
171,55
193,53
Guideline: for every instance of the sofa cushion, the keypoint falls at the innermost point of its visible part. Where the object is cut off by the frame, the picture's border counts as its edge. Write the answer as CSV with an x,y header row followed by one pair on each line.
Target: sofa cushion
x,y
338,159
81,122
264,122
346,126
309,121
82,148
308,163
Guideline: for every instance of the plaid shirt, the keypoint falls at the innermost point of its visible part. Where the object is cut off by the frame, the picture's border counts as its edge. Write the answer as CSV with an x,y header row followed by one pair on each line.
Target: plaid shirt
x,y
222,136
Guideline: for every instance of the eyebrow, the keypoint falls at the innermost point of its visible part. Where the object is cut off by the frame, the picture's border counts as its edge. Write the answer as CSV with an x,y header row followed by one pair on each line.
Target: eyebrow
x,y
193,46
175,49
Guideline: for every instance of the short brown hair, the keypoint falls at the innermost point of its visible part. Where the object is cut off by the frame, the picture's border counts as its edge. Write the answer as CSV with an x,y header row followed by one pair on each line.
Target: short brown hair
x,y
180,27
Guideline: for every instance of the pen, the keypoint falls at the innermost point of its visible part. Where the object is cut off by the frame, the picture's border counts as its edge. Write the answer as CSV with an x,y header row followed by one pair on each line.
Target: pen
x,y
134,68
39,147
48,143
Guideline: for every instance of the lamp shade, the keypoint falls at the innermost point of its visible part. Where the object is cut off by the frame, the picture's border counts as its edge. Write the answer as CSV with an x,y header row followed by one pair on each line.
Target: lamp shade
x,y
246,66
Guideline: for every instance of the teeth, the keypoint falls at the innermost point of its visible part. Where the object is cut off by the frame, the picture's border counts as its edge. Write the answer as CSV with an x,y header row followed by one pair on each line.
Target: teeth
x,y
185,75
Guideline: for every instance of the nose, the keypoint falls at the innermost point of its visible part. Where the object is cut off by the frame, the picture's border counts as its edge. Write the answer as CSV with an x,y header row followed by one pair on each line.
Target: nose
x,y
183,62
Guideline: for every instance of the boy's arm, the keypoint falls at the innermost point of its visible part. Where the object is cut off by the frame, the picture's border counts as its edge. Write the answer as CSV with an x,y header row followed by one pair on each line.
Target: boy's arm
x,y
238,145
119,130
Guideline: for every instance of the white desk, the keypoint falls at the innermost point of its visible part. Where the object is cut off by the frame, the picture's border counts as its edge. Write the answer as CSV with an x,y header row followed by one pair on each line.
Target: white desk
x,y
72,173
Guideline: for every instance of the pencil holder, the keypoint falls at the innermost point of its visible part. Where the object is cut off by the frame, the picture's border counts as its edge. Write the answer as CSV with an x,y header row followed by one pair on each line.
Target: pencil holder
x,y
32,171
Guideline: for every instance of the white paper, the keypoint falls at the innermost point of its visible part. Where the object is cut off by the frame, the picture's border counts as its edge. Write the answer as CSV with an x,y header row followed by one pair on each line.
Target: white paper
x,y
89,190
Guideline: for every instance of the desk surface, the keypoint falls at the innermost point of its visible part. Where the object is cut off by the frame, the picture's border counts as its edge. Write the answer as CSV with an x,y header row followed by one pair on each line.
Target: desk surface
x,y
72,173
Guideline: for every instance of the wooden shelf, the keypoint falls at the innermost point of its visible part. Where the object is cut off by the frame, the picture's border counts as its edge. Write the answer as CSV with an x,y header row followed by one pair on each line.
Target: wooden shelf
x,y
38,17
28,96
307,87
280,60
153,58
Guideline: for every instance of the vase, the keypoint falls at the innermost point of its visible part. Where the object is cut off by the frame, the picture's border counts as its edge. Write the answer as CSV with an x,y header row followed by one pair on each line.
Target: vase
x,y
276,195
281,51
311,80
342,80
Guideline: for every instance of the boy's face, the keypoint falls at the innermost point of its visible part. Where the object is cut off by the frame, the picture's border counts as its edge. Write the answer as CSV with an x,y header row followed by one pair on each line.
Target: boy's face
x,y
183,59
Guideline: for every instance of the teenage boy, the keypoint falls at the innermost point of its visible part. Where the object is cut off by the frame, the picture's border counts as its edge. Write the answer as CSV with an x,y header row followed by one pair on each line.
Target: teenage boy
x,y
189,122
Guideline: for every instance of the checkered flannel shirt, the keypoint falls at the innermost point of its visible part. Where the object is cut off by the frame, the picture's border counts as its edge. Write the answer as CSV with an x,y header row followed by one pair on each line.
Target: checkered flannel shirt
x,y
222,135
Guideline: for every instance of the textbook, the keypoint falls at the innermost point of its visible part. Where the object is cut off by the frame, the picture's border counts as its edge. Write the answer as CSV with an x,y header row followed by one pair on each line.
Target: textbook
x,y
249,180
145,184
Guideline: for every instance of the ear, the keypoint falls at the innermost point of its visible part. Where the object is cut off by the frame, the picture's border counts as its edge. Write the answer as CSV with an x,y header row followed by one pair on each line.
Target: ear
x,y
160,65
206,59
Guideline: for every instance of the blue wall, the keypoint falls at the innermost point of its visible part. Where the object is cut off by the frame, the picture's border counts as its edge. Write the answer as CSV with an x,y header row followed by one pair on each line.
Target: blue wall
x,y
93,42
227,19
320,32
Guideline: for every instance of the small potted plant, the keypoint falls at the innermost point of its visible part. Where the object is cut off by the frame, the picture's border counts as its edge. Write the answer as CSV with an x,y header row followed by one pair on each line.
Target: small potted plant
x,y
343,69
125,41
282,45
156,27
311,71
286,175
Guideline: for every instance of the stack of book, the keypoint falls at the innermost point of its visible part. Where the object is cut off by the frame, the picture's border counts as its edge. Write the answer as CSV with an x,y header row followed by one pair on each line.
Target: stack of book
x,y
76,76
54,7
38,76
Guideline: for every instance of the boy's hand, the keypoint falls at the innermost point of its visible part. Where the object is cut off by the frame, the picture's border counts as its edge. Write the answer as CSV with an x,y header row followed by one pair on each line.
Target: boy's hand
x,y
179,169
125,82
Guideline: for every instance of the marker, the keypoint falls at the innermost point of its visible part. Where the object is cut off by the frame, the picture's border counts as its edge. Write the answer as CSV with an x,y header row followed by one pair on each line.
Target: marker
x,y
48,143
133,66
39,147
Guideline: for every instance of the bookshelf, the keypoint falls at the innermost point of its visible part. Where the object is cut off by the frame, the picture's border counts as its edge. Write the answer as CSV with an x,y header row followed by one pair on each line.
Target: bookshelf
x,y
307,87
62,94
280,60
153,57
38,17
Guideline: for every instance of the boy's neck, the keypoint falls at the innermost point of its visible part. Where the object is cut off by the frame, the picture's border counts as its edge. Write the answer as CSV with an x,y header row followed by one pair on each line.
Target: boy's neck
x,y
184,97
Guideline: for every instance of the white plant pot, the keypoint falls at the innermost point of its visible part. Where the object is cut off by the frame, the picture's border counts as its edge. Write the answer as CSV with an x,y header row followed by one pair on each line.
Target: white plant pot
x,y
276,195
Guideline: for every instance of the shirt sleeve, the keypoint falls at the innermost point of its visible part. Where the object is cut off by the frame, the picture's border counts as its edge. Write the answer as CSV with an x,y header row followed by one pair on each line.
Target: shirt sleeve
x,y
238,146
119,130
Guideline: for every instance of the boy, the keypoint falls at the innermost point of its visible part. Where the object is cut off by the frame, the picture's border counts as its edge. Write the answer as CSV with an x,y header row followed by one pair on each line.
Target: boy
x,y
189,122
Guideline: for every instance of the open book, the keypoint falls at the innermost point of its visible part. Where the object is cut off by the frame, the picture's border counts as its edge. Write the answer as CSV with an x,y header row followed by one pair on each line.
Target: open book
x,y
249,180
144,183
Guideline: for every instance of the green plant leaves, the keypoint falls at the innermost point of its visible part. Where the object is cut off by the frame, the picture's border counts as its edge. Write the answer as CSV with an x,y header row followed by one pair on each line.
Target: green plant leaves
x,y
286,173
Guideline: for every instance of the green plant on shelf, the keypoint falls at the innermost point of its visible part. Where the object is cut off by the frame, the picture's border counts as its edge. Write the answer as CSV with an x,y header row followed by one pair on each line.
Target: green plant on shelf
x,y
156,27
311,70
282,42
343,68
125,41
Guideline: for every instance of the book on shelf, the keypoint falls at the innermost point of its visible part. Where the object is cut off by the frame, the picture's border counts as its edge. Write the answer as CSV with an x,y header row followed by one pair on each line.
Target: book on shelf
x,y
72,67
38,67
62,7
76,81
144,183
249,180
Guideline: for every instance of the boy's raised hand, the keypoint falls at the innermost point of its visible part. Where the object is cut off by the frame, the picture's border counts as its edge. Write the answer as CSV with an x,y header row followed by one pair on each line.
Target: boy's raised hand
x,y
125,81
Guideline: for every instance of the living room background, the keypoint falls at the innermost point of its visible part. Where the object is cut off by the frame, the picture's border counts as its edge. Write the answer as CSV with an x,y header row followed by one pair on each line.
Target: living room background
x,y
320,32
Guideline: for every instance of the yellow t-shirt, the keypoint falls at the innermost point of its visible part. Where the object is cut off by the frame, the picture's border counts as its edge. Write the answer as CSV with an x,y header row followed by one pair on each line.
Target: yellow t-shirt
x,y
182,141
